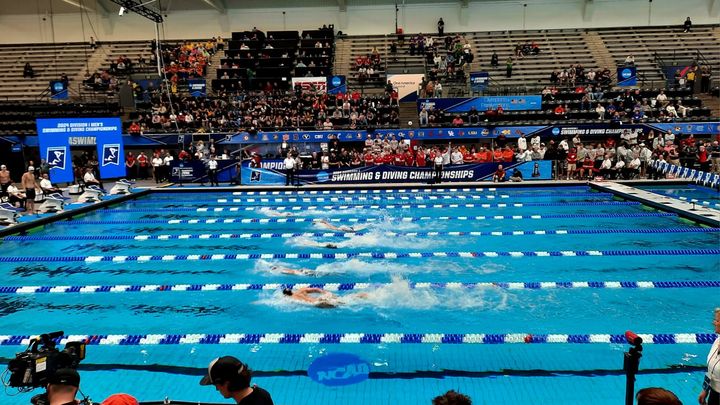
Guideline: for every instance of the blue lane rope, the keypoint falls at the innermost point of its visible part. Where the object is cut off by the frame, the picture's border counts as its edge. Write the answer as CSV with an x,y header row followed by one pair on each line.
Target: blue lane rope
x,y
144,237
361,220
399,191
374,206
369,255
365,338
602,196
534,285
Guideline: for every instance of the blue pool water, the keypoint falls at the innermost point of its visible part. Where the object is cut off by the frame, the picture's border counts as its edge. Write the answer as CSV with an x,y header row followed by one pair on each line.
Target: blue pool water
x,y
688,192
212,263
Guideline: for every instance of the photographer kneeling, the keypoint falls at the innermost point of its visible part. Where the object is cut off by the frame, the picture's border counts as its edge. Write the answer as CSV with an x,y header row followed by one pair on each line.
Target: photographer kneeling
x,y
62,388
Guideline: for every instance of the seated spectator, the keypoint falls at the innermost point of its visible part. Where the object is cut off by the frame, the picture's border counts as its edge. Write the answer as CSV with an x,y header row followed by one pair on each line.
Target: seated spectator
x,y
499,175
15,196
457,121
28,71
89,178
46,185
630,60
516,176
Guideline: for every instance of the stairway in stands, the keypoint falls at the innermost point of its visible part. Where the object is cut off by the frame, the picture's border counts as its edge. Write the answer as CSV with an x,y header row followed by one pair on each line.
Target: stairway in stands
x,y
597,47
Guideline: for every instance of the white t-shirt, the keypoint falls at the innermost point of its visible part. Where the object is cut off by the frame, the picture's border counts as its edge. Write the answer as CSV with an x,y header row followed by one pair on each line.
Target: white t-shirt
x,y
167,160
325,162
522,143
89,178
212,164
45,183
157,162
289,163
456,158
438,160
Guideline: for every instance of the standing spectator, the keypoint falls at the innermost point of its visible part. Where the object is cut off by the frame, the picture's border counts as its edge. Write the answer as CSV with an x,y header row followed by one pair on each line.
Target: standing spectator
x,y
508,67
131,166
212,165
715,156
441,27
231,379
289,164
93,44
28,71
5,180
710,393
143,165
705,75
157,165
687,25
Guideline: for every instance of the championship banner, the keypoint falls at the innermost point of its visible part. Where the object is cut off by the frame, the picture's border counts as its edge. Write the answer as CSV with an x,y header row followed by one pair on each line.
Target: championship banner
x,y
57,136
271,172
311,84
336,84
406,85
197,87
479,81
481,104
626,76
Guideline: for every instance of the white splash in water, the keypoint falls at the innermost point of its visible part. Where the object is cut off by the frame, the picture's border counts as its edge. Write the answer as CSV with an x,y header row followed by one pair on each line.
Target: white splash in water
x,y
369,239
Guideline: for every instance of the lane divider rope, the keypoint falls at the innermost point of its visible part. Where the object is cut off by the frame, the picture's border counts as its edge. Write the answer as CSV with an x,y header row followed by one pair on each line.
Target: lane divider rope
x,y
541,285
145,237
395,191
369,255
403,198
375,206
365,338
695,200
361,220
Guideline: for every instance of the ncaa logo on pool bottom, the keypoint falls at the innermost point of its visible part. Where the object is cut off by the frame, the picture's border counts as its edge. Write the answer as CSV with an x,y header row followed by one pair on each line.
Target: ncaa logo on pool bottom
x,y
337,369
55,157
626,73
111,154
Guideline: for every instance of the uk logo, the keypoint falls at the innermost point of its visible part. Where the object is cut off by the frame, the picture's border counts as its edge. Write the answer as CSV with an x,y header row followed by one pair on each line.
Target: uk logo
x,y
111,154
55,156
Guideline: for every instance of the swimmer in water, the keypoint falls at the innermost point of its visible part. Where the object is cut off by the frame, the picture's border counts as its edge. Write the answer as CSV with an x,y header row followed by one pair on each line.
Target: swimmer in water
x,y
295,272
273,213
318,297
341,228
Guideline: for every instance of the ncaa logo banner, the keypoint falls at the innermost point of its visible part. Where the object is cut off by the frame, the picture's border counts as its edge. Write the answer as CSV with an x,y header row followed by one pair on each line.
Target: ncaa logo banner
x,y
55,157
110,154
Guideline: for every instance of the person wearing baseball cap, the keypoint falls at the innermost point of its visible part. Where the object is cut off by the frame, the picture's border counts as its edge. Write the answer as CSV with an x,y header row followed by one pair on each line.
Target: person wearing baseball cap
x,y
231,378
120,399
62,387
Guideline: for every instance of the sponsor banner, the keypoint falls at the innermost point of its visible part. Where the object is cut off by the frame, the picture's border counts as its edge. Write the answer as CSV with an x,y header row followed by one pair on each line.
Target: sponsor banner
x,y
336,84
195,171
626,76
57,136
311,84
479,81
271,172
406,85
197,87
464,104
696,128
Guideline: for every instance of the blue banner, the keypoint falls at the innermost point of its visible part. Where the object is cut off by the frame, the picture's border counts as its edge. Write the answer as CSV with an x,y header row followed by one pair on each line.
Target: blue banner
x,y
479,81
626,76
271,172
336,84
58,90
508,103
58,135
197,87
195,171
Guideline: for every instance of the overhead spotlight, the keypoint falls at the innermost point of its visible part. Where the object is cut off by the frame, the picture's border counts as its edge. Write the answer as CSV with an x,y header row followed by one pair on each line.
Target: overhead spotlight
x,y
122,11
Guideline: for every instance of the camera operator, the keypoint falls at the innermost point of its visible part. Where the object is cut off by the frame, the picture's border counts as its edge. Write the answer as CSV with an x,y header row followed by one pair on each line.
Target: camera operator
x,y
62,388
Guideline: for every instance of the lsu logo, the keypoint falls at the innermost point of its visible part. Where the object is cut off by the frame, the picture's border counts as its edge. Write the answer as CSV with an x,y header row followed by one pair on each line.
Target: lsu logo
x,y
55,156
111,154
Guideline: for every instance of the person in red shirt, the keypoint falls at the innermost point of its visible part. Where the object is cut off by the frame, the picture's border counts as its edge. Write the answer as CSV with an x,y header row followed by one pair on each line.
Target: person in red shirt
x,y
571,163
587,168
483,155
500,110
457,121
559,111
508,154
131,166
409,158
388,158
143,166
134,128
499,175
498,155
398,159
369,158
420,158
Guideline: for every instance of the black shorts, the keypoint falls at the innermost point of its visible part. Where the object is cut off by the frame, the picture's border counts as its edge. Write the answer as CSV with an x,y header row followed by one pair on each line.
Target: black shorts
x,y
30,194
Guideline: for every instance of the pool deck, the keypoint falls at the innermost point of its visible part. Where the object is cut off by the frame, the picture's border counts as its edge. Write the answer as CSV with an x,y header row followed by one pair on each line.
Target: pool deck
x,y
685,209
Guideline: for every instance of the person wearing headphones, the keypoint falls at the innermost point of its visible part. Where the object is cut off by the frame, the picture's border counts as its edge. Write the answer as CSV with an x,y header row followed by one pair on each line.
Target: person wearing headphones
x,y
231,378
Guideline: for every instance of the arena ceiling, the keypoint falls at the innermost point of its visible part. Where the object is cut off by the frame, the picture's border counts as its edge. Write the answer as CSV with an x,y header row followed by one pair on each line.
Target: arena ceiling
x,y
46,7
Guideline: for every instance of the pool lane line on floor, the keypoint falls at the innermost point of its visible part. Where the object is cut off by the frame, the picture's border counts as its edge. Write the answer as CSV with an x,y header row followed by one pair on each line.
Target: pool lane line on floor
x,y
366,338
369,255
535,285
361,220
288,235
